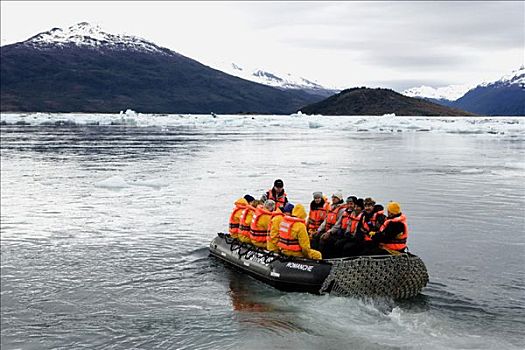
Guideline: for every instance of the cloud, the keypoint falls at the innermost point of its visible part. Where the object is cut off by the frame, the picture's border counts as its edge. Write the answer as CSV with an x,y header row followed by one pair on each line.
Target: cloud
x,y
341,43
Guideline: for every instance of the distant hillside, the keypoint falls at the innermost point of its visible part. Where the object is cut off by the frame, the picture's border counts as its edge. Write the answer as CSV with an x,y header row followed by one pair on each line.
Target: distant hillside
x,y
365,101
83,69
279,80
505,96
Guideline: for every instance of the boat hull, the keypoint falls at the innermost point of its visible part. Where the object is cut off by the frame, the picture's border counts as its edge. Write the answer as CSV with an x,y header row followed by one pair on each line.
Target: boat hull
x,y
284,273
401,276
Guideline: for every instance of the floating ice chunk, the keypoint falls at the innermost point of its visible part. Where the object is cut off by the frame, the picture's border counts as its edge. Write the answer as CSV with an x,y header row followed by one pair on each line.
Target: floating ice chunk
x,y
314,125
114,182
129,113
312,163
153,183
389,115
472,171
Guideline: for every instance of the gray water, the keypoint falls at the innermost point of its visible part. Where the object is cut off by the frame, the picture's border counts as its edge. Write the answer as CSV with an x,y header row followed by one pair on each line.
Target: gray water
x,y
104,235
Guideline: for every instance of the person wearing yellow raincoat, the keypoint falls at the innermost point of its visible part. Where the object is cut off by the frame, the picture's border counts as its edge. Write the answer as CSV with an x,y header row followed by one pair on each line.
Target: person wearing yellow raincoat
x,y
246,220
293,237
235,216
260,223
273,229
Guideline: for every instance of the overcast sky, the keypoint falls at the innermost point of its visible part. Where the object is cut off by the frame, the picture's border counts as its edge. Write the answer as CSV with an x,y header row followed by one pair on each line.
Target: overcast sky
x,y
389,44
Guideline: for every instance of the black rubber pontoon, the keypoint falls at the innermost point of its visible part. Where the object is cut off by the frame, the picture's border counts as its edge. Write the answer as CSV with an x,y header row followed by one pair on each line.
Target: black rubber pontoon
x,y
399,277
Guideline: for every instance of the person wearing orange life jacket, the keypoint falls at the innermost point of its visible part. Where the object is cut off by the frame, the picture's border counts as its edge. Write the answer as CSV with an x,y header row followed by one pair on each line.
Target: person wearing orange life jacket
x,y
334,215
235,216
318,210
273,228
293,237
393,233
346,245
246,220
332,247
327,231
276,193
346,218
260,223
355,216
372,218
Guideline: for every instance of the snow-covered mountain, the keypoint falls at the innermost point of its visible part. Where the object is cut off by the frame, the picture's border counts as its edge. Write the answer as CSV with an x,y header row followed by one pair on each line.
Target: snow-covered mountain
x,y
271,78
85,69
517,77
450,93
505,96
454,92
86,35
89,36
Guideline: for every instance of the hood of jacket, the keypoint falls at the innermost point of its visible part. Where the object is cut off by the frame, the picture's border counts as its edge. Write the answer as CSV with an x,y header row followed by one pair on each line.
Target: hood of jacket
x,y
241,201
299,212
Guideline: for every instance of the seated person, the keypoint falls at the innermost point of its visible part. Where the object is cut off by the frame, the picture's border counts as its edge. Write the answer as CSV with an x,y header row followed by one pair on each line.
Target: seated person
x,y
318,210
260,223
246,220
276,193
235,216
393,234
273,229
293,237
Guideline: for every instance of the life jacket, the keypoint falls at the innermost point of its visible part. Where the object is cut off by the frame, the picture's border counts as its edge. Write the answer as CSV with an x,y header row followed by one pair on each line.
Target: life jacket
x,y
354,221
257,233
317,216
331,217
350,218
371,223
244,227
286,241
400,241
274,214
234,222
280,201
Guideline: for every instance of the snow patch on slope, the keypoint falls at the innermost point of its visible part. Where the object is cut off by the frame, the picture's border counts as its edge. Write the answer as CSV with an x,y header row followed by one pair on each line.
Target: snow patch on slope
x,y
517,77
86,35
270,78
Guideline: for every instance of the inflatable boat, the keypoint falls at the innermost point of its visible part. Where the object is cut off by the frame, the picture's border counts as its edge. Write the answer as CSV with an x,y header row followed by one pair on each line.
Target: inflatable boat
x,y
401,276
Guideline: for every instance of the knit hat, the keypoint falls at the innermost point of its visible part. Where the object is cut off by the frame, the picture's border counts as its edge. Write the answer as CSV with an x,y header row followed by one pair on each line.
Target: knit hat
x,y
248,198
318,194
288,207
278,183
338,195
393,208
269,204
369,201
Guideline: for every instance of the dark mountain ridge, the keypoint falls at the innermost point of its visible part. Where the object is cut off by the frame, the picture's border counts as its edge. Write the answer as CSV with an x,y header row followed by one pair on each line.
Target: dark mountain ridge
x,y
366,101
83,69
503,97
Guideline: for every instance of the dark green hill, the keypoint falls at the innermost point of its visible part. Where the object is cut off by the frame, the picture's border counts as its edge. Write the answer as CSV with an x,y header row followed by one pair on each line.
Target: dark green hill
x,y
70,78
366,101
